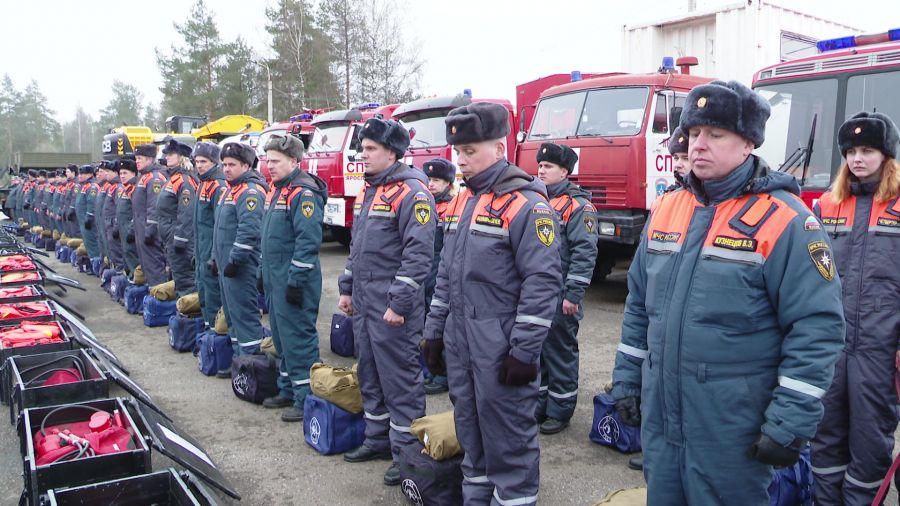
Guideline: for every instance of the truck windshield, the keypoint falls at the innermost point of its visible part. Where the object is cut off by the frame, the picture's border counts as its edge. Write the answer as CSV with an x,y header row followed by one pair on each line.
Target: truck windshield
x,y
429,126
328,138
264,139
787,132
606,112
874,93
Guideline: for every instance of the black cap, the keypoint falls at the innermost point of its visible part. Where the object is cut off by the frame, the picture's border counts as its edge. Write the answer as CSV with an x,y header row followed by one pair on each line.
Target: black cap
x,y
174,146
148,150
478,122
874,130
440,168
560,154
239,151
730,106
388,133
678,142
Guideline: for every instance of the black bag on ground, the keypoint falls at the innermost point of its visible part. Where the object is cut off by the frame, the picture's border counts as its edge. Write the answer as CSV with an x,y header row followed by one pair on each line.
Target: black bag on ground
x,y
428,482
342,342
254,377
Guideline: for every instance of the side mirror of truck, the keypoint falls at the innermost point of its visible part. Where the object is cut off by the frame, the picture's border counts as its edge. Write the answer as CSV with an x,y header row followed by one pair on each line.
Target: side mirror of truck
x,y
674,117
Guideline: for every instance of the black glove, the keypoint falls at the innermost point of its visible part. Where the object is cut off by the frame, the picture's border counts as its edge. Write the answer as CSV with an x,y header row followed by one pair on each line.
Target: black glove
x,y
230,270
433,350
88,224
293,295
767,451
180,250
115,234
148,240
629,409
26,206
213,268
130,238
515,373
70,215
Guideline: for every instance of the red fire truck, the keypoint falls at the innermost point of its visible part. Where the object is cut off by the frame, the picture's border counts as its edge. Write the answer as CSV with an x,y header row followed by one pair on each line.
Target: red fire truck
x,y
811,97
619,124
332,155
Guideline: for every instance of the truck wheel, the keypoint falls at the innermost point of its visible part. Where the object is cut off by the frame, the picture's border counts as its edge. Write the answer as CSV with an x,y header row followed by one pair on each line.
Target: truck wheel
x,y
603,268
341,235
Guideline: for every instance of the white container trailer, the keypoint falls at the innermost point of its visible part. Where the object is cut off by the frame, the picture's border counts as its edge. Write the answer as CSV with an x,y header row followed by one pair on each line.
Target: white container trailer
x,y
731,42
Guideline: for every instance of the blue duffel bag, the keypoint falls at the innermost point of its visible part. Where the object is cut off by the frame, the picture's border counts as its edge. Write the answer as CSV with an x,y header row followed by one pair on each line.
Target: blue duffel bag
x,y
73,258
134,298
157,312
342,342
97,266
117,286
214,352
792,486
106,277
62,252
39,241
330,429
429,482
608,429
183,331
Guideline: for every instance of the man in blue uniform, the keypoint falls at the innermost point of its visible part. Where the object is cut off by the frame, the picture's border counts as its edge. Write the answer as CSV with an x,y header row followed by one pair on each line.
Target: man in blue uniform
x,y
733,319
383,288
497,289
175,213
291,273
209,195
151,180
236,247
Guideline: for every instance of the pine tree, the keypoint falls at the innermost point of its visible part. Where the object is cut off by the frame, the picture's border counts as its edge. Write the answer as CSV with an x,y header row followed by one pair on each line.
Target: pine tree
x,y
124,108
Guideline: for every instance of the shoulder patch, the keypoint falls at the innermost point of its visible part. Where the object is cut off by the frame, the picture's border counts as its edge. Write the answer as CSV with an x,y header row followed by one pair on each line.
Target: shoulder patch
x,y
420,196
307,193
251,190
251,203
589,208
307,208
546,231
590,222
822,259
157,186
185,199
423,212
811,223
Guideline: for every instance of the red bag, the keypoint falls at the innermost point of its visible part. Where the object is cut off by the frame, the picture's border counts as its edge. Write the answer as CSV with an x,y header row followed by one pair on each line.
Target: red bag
x,y
16,263
17,292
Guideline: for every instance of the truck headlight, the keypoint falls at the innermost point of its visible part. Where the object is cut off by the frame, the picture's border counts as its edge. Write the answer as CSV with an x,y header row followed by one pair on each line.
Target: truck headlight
x,y
607,228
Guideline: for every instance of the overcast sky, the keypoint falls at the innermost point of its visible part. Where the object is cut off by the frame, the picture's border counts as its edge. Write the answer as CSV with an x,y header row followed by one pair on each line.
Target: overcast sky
x,y
74,49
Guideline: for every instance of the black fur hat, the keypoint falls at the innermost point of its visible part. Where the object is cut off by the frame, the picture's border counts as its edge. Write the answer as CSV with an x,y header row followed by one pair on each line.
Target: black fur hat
x,y
560,154
86,169
148,150
440,168
874,130
291,146
478,122
174,146
388,133
731,106
42,173
238,151
125,164
72,167
208,150
33,173
678,142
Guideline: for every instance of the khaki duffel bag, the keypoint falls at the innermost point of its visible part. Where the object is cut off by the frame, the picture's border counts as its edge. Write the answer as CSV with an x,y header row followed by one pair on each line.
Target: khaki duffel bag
x,y
37,229
625,497
221,326
74,243
163,291
138,277
267,346
47,233
189,305
338,385
438,434
56,235
81,251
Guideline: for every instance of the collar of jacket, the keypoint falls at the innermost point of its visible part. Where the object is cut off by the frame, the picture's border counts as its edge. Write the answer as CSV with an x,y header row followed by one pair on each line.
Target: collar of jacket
x,y
555,190
214,173
444,196
714,191
485,180
292,179
382,177
858,187
133,180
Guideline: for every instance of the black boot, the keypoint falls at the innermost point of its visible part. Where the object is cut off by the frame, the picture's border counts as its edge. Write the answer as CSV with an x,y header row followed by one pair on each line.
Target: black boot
x,y
636,463
365,454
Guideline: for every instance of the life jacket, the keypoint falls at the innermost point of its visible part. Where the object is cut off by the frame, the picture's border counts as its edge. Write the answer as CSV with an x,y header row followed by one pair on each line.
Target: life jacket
x,y
24,310
30,334
16,263
18,277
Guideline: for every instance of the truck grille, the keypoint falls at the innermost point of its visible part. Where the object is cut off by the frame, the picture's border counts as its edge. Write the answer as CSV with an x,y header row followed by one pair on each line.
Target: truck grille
x,y
607,191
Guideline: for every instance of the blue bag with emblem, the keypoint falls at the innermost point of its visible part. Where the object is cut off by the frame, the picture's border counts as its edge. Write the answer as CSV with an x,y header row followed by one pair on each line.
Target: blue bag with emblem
x,y
330,429
342,342
63,252
117,286
183,331
254,378
157,312
608,429
429,482
97,266
214,352
73,257
792,486
134,298
106,277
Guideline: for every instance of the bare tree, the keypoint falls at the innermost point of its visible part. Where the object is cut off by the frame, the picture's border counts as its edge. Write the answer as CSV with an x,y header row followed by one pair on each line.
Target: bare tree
x,y
388,67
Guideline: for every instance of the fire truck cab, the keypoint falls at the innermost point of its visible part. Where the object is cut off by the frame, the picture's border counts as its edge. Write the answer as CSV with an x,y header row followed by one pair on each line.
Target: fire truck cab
x,y
619,125
811,97
332,155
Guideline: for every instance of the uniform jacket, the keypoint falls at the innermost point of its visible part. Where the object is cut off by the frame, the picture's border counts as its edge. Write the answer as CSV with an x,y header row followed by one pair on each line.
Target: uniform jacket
x,y
292,227
239,221
866,236
441,204
577,239
209,194
149,185
175,206
500,260
393,237
732,295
